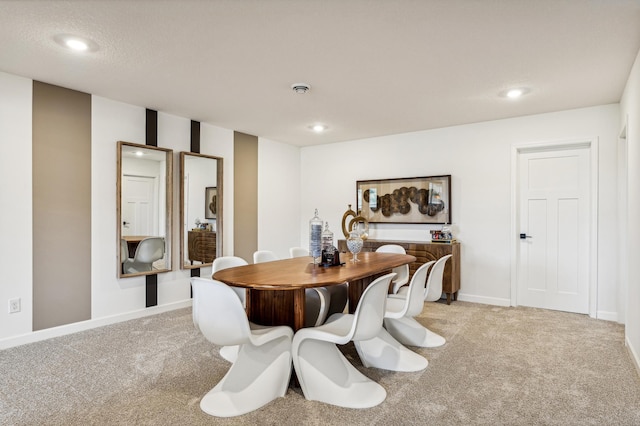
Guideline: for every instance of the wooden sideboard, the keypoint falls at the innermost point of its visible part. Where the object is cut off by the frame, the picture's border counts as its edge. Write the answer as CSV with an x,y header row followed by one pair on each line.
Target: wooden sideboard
x,y
202,246
425,252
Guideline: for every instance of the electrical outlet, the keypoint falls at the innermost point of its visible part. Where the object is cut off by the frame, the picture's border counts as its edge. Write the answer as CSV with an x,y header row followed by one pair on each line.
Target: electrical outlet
x,y
14,305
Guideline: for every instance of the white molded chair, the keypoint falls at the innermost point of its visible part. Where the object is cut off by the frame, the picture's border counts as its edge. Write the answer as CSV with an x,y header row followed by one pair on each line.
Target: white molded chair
x,y
261,256
148,251
263,368
409,331
230,353
225,262
338,295
316,299
298,252
386,352
323,372
402,272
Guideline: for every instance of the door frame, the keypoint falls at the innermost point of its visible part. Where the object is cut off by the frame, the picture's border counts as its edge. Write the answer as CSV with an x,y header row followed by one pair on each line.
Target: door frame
x,y
590,143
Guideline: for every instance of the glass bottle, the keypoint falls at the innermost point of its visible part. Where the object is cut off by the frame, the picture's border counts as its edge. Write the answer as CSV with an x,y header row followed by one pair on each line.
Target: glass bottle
x,y
315,237
327,237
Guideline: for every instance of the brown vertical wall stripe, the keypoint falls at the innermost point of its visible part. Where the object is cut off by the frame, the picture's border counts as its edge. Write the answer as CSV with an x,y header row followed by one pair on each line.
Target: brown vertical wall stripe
x,y
245,194
61,206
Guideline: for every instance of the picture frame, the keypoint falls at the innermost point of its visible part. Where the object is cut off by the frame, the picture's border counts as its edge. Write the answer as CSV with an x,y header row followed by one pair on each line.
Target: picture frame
x,y
405,200
211,202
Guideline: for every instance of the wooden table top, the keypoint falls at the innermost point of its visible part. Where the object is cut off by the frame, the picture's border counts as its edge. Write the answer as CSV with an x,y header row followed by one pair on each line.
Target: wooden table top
x,y
134,238
299,272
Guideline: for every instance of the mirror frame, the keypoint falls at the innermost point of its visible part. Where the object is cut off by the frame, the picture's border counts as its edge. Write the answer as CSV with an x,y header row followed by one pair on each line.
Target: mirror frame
x,y
219,214
168,207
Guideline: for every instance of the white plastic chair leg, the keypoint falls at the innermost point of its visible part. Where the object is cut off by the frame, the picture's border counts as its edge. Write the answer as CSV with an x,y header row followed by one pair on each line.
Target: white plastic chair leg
x,y
258,376
408,331
386,353
326,375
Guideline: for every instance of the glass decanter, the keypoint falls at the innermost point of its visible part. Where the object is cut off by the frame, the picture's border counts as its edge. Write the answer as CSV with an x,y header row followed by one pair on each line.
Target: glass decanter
x,y
354,244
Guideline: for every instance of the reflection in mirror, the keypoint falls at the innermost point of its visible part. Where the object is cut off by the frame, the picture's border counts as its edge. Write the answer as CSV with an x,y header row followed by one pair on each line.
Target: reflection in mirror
x,y
144,209
200,209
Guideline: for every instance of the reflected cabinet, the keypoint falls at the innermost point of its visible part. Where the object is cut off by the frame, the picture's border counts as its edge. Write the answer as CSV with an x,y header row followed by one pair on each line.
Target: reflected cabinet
x,y
201,209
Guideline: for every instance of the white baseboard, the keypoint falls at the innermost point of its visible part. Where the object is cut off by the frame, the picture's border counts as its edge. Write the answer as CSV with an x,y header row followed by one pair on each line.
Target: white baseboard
x,y
63,330
633,354
607,316
484,300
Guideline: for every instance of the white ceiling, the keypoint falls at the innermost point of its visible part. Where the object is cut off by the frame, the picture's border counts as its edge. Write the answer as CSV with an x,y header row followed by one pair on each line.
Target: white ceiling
x,y
376,67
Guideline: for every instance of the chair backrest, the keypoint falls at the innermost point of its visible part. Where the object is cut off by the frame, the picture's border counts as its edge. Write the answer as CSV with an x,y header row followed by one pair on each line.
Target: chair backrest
x,y
433,290
264,256
370,311
298,252
415,296
220,316
225,262
402,272
124,250
149,250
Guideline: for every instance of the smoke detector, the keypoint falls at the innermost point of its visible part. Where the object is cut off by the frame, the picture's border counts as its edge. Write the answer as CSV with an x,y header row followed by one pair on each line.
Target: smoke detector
x,y
300,87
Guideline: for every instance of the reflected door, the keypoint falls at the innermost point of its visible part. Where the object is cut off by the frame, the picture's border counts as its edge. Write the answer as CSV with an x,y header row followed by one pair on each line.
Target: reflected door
x,y
138,206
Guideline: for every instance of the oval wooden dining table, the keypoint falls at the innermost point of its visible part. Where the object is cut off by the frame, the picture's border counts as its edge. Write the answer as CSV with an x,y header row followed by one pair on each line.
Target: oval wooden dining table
x,y
276,290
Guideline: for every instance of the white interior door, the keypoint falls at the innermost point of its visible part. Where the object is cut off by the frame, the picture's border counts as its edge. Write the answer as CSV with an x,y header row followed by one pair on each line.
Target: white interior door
x,y
553,223
138,206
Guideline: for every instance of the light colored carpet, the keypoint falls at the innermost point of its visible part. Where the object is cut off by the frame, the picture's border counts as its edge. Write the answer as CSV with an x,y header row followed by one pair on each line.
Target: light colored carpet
x,y
500,366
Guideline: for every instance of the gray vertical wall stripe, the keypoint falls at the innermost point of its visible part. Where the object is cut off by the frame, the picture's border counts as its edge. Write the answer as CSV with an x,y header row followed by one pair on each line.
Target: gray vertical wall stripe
x,y
245,195
61,206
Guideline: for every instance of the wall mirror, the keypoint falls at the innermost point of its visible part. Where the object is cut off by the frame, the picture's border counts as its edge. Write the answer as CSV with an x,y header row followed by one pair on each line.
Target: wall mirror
x,y
144,198
200,209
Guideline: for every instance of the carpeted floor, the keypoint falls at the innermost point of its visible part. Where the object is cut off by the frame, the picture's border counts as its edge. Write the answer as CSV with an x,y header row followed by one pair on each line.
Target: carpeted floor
x,y
500,366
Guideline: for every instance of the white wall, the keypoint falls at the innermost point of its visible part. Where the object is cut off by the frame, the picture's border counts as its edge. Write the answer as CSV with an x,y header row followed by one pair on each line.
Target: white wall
x,y
16,276
218,142
279,214
112,299
113,121
630,108
478,158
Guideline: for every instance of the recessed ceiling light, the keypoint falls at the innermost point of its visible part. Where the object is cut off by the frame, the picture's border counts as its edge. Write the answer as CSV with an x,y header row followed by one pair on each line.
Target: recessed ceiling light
x,y
515,92
318,128
75,43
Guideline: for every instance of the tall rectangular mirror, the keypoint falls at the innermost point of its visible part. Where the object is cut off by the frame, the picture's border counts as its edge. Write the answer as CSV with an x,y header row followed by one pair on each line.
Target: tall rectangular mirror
x,y
144,197
201,211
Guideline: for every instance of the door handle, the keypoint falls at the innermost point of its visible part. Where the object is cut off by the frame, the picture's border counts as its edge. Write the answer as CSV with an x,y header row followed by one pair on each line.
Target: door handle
x,y
525,236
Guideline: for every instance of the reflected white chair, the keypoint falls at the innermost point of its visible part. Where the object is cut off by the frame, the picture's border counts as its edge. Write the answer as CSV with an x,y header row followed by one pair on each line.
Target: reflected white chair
x,y
402,272
316,299
323,371
386,352
263,368
230,353
409,331
148,251
124,253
